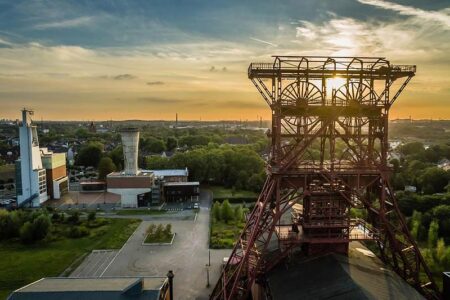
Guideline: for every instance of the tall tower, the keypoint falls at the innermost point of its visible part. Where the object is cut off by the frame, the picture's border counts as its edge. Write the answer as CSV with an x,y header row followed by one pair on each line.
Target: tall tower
x,y
329,147
130,143
31,183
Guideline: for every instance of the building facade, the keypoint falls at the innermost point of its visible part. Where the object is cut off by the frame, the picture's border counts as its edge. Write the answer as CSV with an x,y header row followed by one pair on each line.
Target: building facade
x,y
31,179
56,173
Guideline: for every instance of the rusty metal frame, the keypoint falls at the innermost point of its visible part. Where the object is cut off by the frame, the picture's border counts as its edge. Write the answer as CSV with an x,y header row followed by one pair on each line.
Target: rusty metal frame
x,y
362,128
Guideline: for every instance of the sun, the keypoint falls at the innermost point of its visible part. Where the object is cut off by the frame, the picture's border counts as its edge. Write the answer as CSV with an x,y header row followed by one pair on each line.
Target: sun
x,y
335,83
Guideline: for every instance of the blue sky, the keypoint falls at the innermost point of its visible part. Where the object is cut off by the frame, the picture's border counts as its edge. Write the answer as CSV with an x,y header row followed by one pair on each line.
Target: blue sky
x,y
146,59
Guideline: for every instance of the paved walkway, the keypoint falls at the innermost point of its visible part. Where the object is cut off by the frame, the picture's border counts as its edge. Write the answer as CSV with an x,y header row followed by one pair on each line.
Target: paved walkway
x,y
187,257
95,263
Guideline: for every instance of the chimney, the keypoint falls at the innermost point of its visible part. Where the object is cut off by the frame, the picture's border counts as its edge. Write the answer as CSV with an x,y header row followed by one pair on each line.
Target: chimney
x,y
130,143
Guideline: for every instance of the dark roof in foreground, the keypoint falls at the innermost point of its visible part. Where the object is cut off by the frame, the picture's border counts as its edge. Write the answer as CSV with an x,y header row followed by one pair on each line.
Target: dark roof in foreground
x,y
97,288
333,276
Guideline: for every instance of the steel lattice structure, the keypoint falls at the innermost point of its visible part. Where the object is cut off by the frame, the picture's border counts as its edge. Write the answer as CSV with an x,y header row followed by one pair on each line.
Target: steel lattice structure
x,y
329,150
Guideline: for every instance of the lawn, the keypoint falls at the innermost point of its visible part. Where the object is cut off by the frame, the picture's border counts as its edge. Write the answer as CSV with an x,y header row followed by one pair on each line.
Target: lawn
x,y
220,192
22,264
128,212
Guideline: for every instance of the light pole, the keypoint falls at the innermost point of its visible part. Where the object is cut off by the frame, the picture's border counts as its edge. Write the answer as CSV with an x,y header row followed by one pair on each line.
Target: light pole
x,y
207,276
170,276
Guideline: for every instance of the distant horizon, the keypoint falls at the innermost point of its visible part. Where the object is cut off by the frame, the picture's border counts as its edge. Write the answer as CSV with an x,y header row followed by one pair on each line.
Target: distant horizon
x,y
141,59
35,120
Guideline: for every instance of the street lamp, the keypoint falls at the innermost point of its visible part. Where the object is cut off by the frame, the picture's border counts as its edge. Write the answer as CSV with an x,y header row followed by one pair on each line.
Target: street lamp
x,y
170,276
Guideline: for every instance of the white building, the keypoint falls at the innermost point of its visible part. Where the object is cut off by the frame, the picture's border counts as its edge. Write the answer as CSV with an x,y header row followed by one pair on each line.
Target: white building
x,y
31,185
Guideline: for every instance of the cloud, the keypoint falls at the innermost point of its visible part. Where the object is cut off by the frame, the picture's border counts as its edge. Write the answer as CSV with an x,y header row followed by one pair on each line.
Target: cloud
x,y
264,42
155,83
404,39
5,43
124,77
70,23
431,16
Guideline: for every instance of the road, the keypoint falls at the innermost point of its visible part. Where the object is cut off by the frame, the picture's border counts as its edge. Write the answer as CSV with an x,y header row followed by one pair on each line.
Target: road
x,y
187,256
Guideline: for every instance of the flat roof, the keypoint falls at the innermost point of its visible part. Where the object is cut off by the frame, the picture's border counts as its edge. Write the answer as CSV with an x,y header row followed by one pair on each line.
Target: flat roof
x,y
361,275
170,172
182,183
68,284
141,173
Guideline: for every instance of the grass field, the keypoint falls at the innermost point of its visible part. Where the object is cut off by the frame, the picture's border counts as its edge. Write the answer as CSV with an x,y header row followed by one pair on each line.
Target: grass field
x,y
21,264
128,212
220,192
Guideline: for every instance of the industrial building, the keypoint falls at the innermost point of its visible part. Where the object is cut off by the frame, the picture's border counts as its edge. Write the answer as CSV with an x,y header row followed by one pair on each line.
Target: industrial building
x,y
55,172
143,188
173,186
111,288
40,174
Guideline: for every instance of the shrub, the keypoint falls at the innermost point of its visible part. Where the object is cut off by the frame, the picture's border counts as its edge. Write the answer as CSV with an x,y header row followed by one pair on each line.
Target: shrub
x,y
151,229
26,233
168,229
91,216
78,231
8,228
216,211
74,218
41,227
56,217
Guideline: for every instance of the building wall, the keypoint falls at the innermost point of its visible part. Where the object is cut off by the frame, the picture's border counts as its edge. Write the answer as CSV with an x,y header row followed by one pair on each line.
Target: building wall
x,y
52,175
53,160
181,193
129,197
175,178
130,182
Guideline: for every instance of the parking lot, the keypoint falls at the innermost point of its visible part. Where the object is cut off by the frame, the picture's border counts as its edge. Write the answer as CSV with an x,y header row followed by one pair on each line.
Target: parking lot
x,y
187,257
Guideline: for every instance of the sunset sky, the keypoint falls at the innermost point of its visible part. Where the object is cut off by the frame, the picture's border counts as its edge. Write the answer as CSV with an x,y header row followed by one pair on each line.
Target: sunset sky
x,y
97,60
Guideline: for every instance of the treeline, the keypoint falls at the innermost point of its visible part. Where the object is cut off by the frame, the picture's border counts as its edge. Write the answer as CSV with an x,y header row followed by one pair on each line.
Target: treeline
x,y
38,225
188,145
240,167
417,167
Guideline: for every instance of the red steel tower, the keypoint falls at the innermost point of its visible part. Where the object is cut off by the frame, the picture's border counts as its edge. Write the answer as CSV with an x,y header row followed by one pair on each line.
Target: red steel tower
x,y
329,154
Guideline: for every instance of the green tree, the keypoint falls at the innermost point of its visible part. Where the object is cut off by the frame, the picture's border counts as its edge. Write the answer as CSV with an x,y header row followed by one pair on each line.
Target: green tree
x,y
117,157
412,148
256,182
105,166
433,234
434,180
238,213
416,225
226,211
171,143
216,210
152,145
90,154
440,251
